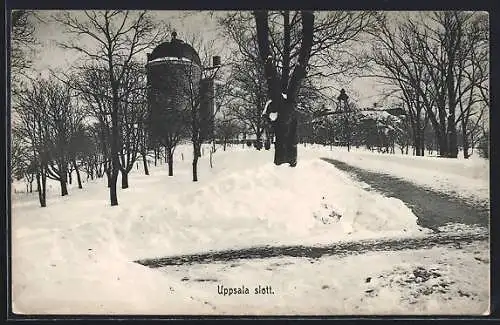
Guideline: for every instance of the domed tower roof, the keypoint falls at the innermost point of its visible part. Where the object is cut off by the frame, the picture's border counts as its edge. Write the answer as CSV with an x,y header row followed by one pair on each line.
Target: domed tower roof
x,y
175,48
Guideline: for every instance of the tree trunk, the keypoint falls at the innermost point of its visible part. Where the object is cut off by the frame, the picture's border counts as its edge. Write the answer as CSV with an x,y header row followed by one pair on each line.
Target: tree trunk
x,y
64,187
348,132
224,145
452,136
443,145
422,143
417,134
78,178
170,158
99,172
441,134
124,179
465,141
286,138
145,163
63,178
70,178
108,177
115,162
195,168
417,144
156,155
166,155
41,187
421,132
258,142
196,155
452,104
442,142
44,187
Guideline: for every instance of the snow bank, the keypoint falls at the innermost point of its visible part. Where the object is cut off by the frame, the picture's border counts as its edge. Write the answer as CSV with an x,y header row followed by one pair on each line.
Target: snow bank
x,y
280,205
75,255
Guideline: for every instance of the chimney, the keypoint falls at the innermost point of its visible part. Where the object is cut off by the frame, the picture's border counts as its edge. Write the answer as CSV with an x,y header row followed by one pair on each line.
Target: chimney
x,y
216,61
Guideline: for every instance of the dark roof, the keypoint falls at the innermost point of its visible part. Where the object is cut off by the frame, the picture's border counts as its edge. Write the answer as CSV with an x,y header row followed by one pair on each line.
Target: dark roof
x,y
175,48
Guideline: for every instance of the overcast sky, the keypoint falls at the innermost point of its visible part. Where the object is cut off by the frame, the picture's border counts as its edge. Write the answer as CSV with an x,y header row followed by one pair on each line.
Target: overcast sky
x,y
50,56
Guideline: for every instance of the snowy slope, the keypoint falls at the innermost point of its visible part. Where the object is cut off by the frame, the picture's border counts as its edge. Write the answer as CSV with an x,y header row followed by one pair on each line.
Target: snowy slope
x,y
75,256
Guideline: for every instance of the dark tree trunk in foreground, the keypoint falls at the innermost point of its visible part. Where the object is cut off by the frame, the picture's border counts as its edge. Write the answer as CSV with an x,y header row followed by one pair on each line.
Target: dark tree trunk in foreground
x,y
40,186
115,162
465,140
195,169
145,163
285,147
443,143
64,187
283,90
108,177
124,179
422,143
170,157
196,155
78,178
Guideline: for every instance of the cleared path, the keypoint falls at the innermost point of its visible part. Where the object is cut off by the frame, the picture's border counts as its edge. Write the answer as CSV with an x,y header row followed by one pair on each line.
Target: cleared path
x,y
433,209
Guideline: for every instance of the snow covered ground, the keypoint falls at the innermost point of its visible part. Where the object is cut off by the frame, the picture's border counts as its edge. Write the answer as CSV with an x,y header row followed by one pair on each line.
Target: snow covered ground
x,y
465,178
76,255
425,281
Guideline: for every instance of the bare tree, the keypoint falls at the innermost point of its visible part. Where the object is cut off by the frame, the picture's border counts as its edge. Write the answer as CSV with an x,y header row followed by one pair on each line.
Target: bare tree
x,y
431,58
22,160
472,81
91,84
283,91
61,120
226,129
133,105
48,119
31,109
195,97
23,43
299,45
118,37
198,95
